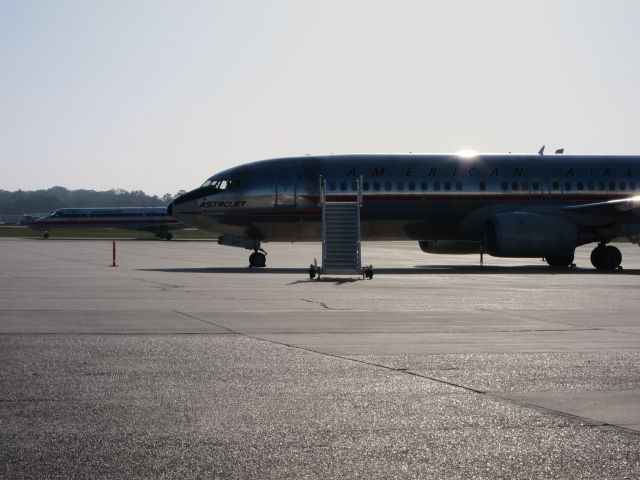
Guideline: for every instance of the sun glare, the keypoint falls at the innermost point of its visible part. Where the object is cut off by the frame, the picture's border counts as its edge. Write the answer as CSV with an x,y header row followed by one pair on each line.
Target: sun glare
x,y
467,153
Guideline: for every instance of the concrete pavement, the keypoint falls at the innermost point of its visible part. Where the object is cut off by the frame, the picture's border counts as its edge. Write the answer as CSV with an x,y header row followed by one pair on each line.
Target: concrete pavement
x,y
182,362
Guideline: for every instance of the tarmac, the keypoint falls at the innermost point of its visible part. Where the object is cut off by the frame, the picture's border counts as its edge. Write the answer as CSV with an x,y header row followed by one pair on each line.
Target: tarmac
x,y
182,362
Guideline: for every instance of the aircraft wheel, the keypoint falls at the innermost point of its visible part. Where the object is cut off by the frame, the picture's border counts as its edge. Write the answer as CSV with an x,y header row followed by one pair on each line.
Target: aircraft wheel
x,y
168,236
257,260
560,261
606,257
368,272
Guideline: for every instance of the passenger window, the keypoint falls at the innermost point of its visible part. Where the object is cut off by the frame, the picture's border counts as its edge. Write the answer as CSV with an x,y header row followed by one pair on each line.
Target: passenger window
x,y
365,186
580,186
412,186
376,186
400,186
591,186
423,186
601,186
535,186
387,186
459,186
343,186
436,186
332,186
354,186
525,186
505,186
612,186
514,186
447,186
623,186
567,186
632,186
483,186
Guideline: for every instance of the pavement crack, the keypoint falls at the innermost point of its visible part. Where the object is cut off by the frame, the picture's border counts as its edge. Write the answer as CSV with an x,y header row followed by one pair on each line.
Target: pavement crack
x,y
163,286
208,322
585,421
322,304
372,364
412,373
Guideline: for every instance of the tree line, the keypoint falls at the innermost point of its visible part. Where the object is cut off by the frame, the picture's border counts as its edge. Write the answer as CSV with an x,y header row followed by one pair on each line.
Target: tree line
x,y
44,201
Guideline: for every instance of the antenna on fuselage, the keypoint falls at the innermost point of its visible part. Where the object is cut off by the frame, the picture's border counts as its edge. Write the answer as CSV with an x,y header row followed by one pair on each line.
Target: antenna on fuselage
x,y
541,151
560,151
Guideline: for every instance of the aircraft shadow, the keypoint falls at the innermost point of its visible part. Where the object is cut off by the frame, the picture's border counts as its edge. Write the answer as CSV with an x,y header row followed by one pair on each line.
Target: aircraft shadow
x,y
417,270
503,270
226,270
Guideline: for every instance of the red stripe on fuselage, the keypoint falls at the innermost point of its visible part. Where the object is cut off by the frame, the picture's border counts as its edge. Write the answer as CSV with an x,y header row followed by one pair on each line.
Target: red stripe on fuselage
x,y
461,196
275,213
393,198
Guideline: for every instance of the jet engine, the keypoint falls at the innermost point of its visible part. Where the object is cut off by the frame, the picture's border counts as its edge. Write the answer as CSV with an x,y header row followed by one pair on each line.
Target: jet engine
x,y
449,247
525,234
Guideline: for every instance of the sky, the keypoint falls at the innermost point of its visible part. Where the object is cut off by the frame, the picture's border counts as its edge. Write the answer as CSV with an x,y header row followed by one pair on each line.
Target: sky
x,y
158,95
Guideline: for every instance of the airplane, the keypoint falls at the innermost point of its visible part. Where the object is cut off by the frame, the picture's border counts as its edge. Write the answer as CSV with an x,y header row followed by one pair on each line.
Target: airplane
x,y
506,205
149,219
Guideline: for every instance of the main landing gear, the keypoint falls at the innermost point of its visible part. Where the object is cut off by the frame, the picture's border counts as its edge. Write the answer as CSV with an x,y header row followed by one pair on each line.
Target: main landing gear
x,y
258,259
603,257
606,257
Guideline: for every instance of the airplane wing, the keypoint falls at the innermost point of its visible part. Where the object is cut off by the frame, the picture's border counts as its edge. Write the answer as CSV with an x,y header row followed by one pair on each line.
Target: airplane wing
x,y
621,217
621,206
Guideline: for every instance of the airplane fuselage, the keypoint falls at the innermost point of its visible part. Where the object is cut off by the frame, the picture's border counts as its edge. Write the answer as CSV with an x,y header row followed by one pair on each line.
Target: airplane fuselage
x,y
151,219
407,196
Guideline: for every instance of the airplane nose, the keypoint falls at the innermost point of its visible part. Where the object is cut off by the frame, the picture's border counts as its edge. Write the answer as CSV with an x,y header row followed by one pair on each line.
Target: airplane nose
x,y
184,208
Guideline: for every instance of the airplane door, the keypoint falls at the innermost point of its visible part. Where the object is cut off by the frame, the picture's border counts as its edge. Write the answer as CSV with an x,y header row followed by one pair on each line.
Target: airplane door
x,y
536,189
555,189
285,187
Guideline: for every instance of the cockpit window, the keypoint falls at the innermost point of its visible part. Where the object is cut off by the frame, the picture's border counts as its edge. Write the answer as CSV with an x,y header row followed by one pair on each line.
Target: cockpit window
x,y
220,184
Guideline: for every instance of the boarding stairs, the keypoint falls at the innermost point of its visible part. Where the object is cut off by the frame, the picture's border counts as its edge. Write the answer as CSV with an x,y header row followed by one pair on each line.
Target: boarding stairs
x,y
341,252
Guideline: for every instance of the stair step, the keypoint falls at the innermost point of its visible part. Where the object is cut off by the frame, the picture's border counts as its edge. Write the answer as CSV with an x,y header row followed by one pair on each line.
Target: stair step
x,y
341,237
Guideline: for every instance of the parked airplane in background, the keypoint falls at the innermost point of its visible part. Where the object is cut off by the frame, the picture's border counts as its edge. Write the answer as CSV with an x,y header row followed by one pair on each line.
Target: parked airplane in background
x,y
509,205
148,219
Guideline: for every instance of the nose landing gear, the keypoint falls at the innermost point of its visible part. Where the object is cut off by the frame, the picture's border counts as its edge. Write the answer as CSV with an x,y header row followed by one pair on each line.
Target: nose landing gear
x,y
606,257
258,259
